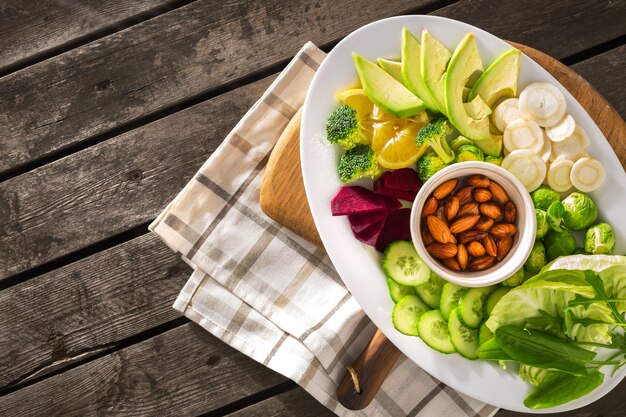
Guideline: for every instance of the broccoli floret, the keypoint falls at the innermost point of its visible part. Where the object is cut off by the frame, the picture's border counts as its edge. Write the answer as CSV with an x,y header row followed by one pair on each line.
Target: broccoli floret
x,y
358,162
434,134
344,128
429,165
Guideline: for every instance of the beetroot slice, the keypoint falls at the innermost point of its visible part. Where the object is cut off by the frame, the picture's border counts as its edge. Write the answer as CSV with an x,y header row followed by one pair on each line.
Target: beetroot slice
x,y
391,203
370,234
358,222
404,179
397,227
379,188
355,200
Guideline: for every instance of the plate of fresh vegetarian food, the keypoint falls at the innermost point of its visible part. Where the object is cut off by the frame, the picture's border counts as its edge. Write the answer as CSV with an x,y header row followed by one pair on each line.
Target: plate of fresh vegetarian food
x,y
474,210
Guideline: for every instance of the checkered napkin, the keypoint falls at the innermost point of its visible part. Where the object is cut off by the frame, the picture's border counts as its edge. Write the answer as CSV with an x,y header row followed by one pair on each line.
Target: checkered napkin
x,y
269,293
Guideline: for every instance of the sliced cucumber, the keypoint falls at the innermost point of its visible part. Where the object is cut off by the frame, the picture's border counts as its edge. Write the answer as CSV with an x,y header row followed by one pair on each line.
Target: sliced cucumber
x,y
451,295
406,314
402,264
484,334
433,330
493,298
430,291
471,312
464,339
397,291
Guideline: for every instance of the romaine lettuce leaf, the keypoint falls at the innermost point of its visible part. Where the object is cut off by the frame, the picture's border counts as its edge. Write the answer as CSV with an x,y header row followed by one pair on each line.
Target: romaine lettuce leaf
x,y
614,280
597,333
594,262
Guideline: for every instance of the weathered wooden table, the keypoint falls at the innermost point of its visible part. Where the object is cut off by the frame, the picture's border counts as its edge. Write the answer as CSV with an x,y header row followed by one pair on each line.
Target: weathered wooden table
x,y
107,108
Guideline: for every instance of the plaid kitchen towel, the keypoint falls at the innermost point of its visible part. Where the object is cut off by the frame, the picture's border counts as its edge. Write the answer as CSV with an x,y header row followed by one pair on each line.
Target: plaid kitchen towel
x,y
269,293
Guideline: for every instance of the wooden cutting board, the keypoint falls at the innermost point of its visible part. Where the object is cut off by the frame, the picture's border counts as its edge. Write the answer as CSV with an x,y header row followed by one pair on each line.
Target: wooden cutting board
x,y
284,200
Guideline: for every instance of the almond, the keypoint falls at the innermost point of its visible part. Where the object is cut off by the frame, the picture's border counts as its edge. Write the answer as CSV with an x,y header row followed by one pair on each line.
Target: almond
x,y
471,235
464,194
491,210
484,224
490,246
464,223
469,209
439,230
498,193
441,215
430,207
481,263
462,256
475,249
510,212
504,246
479,181
481,195
452,264
442,250
452,207
503,230
444,189
427,238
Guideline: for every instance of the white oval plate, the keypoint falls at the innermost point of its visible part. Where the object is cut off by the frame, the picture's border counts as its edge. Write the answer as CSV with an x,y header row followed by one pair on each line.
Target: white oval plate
x,y
358,265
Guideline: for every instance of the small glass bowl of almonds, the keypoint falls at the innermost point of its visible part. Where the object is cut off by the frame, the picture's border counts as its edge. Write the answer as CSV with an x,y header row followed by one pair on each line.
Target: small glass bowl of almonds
x,y
473,223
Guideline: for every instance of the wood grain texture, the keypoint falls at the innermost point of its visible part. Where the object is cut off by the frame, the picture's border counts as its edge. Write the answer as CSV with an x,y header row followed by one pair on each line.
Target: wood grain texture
x,y
185,371
296,402
75,311
117,79
29,28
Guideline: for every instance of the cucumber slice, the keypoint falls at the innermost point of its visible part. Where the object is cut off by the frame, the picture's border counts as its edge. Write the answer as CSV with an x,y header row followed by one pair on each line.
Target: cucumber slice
x,y
430,291
464,339
451,295
433,330
406,314
471,312
484,334
493,298
402,264
397,291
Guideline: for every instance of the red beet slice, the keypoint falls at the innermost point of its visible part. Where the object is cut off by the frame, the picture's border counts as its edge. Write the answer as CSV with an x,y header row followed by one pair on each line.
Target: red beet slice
x,y
404,179
370,234
356,200
391,203
358,222
397,227
379,188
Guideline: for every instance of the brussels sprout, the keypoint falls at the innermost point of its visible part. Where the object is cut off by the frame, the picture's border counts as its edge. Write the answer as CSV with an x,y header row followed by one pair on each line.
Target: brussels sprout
x,y
542,223
580,211
537,258
600,239
456,144
555,215
493,160
559,244
515,279
469,153
544,196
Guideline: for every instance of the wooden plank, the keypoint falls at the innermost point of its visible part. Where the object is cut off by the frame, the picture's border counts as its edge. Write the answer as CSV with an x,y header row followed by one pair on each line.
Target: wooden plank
x,y
199,47
296,402
185,371
605,72
75,311
30,28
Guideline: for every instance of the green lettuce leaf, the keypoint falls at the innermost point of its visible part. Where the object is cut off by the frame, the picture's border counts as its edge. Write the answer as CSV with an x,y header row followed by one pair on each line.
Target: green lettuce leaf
x,y
597,333
614,280
596,263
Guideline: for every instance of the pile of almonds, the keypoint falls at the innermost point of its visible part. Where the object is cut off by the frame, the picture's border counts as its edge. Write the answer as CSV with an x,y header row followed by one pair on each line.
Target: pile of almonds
x,y
469,224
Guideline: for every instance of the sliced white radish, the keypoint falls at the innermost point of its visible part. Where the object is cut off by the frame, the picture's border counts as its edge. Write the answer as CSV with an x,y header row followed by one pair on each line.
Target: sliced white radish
x,y
543,103
546,151
587,174
527,166
562,129
523,134
505,113
571,148
559,175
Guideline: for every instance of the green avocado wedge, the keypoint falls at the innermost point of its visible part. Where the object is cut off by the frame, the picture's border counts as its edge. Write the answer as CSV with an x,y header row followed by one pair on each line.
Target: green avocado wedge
x,y
385,91
491,146
434,61
411,76
465,61
393,68
477,108
500,79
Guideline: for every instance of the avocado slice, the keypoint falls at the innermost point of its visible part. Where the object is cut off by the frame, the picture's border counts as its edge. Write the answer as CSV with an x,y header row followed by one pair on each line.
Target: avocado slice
x,y
477,108
465,61
500,79
393,68
385,91
491,146
411,76
434,61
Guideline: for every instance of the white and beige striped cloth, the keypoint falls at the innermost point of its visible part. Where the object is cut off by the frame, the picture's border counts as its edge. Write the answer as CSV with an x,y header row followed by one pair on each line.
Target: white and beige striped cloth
x,y
269,293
